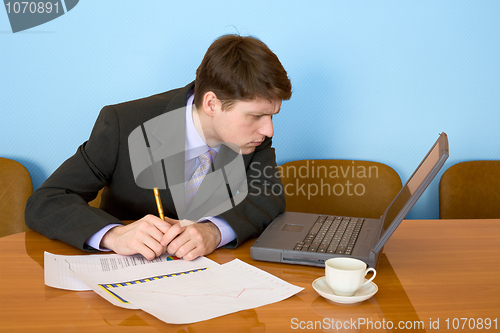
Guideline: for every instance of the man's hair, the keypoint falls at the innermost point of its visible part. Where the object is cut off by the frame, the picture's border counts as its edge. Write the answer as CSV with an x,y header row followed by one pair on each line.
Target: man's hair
x,y
241,68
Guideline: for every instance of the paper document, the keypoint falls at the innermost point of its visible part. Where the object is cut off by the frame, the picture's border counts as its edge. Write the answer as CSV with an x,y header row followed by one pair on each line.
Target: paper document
x,y
206,293
171,289
59,269
64,272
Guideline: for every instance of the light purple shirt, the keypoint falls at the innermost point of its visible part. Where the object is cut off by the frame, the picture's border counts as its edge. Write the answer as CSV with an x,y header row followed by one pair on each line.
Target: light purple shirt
x,y
194,147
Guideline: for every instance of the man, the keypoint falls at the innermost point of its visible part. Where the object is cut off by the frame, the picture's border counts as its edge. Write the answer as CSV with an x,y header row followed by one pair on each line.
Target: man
x,y
239,86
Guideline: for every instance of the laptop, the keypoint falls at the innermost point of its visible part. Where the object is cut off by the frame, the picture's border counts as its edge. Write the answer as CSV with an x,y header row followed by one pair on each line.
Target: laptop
x,y
311,239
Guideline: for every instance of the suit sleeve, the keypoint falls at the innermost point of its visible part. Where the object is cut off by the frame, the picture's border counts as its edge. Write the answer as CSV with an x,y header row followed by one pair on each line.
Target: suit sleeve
x,y
59,208
265,199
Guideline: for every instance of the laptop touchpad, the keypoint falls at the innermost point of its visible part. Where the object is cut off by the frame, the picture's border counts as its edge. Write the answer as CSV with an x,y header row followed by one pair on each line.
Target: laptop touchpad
x,y
293,227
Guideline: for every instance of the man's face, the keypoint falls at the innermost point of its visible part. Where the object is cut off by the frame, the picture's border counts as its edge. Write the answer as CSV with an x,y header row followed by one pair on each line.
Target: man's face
x,y
245,123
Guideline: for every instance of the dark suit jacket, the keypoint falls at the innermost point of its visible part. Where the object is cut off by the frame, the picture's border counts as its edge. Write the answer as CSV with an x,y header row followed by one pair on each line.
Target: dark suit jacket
x,y
59,209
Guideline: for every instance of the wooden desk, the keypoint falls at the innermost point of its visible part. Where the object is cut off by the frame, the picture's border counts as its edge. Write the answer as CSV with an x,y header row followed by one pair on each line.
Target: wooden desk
x,y
430,270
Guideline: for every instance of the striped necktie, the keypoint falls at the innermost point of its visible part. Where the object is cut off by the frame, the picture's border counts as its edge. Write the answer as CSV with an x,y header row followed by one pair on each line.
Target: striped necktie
x,y
199,174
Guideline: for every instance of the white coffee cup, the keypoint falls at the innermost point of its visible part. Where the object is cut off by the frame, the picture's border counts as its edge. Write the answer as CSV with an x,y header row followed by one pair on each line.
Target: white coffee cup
x,y
346,275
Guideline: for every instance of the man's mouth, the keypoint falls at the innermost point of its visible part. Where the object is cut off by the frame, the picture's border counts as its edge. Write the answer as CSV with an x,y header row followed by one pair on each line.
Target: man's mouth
x,y
256,143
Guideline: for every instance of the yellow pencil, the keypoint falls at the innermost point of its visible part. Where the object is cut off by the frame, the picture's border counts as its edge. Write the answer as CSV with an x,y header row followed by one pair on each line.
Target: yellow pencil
x,y
158,203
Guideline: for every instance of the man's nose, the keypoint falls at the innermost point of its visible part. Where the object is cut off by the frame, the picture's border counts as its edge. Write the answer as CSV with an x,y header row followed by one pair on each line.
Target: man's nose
x,y
267,127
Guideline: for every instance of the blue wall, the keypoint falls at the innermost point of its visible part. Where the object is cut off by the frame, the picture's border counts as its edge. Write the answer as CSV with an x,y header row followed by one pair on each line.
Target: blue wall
x,y
373,80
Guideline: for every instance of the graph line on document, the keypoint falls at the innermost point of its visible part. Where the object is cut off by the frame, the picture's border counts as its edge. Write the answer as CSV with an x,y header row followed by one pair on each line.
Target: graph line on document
x,y
107,287
69,265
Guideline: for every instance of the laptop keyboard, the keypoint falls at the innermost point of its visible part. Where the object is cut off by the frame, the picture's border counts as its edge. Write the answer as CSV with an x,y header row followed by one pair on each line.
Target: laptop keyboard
x,y
332,234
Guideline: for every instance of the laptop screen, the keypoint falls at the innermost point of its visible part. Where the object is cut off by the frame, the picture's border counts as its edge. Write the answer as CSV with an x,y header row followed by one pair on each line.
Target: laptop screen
x,y
414,188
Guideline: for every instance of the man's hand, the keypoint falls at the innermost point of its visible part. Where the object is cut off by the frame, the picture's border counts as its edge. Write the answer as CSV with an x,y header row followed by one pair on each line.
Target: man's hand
x,y
189,240
143,236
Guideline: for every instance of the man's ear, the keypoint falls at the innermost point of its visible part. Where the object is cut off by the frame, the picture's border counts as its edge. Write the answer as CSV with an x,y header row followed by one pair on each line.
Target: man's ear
x,y
210,102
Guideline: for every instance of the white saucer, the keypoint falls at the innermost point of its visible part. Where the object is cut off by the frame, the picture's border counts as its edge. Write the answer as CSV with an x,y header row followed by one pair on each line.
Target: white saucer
x,y
362,294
